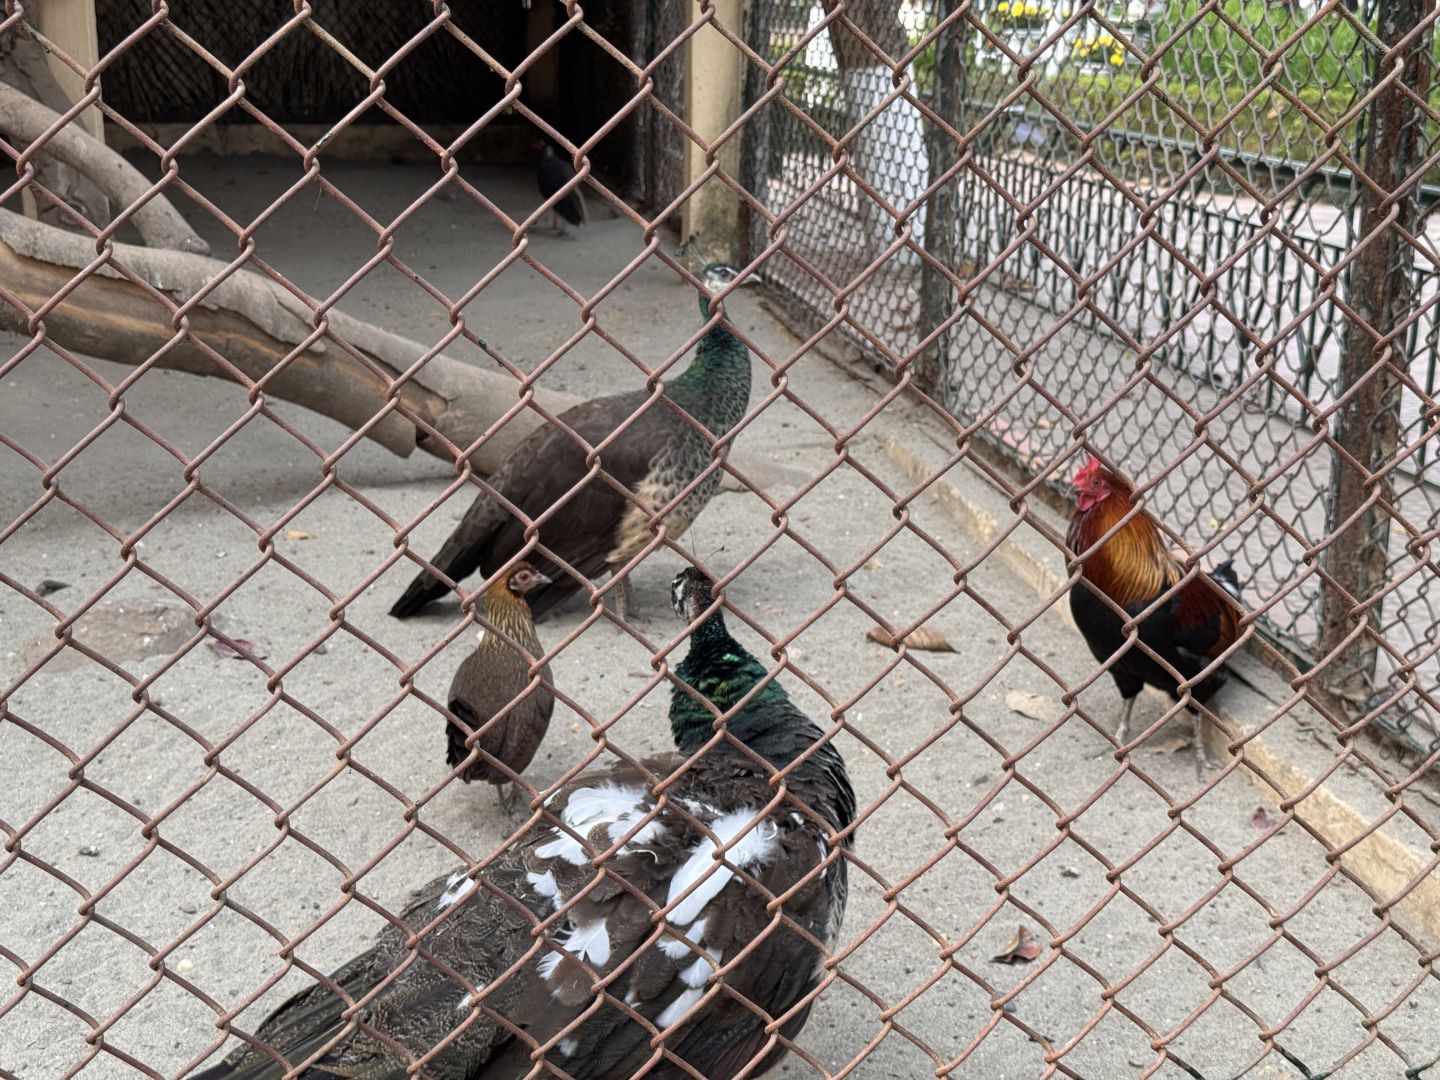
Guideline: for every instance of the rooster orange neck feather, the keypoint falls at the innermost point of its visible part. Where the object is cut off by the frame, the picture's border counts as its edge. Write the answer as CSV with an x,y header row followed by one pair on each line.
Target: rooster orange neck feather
x,y
1131,566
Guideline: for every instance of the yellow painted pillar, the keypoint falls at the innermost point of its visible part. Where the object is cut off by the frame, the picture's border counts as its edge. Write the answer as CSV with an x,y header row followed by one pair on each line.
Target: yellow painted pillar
x,y
70,24
714,78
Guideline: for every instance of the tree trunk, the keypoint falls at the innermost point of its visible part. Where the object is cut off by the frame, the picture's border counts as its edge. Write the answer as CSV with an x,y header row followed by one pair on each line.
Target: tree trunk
x,y
1367,425
888,153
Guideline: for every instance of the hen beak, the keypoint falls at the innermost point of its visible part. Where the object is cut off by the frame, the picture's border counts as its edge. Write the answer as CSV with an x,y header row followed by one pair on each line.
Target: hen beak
x,y
543,579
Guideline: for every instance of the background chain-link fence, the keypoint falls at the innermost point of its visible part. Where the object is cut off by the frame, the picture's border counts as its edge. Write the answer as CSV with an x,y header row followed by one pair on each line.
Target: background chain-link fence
x,y
1191,236
1115,150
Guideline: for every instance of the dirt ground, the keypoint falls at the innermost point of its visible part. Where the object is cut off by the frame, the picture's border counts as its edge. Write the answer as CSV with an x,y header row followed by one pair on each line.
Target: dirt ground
x,y
1004,796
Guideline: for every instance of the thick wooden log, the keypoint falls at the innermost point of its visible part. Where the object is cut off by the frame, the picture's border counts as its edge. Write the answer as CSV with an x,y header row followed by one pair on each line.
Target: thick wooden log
x,y
254,324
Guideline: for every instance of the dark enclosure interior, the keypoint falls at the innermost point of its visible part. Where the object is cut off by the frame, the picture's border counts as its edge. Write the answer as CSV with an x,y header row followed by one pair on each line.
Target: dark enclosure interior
x,y
445,74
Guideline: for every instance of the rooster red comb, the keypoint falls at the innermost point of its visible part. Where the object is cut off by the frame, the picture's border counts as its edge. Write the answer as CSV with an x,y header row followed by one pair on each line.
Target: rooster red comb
x,y
1088,468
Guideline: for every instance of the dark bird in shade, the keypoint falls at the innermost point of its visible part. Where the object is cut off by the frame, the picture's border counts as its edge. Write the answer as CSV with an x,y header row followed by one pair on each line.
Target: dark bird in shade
x,y
494,679
1190,629
597,529
552,173
715,927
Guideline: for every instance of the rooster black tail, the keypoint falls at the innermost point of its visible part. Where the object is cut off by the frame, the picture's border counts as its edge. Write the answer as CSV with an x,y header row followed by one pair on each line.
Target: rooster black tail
x,y
1224,575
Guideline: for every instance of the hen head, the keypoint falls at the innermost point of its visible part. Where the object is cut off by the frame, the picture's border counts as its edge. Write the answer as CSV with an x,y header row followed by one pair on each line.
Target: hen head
x,y
524,578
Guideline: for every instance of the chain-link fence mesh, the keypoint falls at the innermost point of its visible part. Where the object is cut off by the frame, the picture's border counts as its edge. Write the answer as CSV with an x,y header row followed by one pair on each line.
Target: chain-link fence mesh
x,y
1126,146
1190,237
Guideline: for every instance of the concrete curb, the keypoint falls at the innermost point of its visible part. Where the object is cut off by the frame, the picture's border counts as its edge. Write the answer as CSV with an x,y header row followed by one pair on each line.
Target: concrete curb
x,y
1341,808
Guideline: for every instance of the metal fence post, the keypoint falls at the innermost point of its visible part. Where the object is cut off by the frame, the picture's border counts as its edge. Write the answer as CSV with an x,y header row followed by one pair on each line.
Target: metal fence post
x,y
941,239
1366,426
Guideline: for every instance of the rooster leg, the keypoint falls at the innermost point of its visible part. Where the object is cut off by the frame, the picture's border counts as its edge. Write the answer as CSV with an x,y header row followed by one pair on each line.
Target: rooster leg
x,y
1203,761
1122,730
1122,733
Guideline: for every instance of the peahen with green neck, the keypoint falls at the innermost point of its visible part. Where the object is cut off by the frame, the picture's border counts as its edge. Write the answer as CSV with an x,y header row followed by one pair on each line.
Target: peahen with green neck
x,y
596,528
698,921
723,672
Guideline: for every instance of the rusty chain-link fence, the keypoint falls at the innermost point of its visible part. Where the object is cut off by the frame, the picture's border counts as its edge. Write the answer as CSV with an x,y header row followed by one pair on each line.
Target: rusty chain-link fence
x,y
1191,237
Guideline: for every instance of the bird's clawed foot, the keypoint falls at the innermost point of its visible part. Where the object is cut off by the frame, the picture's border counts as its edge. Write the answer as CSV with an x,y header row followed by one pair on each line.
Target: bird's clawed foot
x,y
505,793
625,600
1204,762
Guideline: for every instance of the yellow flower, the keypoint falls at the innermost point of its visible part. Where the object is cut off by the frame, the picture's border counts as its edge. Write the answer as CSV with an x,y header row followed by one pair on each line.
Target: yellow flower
x,y
1105,39
1065,13
1032,9
1118,59
1002,8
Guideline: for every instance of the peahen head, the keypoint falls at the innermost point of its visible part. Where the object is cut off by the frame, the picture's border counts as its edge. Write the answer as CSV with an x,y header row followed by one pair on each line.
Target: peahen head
x,y
691,593
715,388
715,276
718,667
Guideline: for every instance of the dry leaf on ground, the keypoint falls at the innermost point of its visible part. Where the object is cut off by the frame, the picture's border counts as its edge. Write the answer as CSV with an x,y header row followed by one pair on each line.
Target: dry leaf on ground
x,y
1022,948
923,638
296,534
243,649
1035,706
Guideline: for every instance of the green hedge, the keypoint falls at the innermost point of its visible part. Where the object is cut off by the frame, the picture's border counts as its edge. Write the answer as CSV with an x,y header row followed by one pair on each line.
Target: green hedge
x,y
1268,125
1329,54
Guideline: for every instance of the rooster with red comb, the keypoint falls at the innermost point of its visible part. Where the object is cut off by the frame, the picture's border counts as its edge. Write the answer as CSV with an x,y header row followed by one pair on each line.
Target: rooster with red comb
x,y
1190,629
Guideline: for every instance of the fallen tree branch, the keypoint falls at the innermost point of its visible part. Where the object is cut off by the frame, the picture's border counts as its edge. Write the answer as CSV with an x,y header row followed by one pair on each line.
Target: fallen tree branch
x,y
254,323
25,66
160,224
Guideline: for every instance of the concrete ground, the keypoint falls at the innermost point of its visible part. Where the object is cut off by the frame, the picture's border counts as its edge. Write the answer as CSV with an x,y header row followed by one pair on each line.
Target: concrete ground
x,y
985,775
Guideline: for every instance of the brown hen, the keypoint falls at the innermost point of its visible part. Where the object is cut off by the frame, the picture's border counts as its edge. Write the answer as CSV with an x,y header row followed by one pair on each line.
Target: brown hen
x,y
494,676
